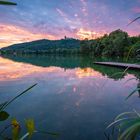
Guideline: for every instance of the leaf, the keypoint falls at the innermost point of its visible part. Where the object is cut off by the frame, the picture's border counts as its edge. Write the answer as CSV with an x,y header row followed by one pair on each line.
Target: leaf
x,y
138,89
117,121
137,113
7,3
120,73
3,116
2,105
128,123
30,127
42,132
15,129
24,136
130,132
9,102
138,50
122,114
130,80
128,54
107,136
50,133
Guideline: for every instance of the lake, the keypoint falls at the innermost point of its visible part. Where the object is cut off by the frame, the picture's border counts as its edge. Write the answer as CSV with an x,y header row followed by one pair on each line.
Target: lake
x,y
73,96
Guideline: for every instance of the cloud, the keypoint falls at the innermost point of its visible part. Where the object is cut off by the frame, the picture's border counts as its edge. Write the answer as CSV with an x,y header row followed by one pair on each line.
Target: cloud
x,y
11,34
136,9
74,18
7,72
82,34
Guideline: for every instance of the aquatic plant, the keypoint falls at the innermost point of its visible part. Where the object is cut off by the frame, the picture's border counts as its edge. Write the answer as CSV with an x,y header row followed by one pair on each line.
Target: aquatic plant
x,y
7,3
15,125
3,114
127,125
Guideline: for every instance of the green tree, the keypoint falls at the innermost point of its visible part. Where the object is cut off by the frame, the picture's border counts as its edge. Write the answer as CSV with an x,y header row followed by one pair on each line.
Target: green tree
x,y
115,43
85,46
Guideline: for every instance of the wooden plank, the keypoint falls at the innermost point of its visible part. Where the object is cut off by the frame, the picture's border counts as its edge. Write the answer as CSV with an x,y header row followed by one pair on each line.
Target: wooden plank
x,y
117,64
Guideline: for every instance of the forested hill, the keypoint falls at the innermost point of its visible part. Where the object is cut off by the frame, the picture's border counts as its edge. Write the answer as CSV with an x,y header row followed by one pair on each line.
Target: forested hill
x,y
118,43
44,46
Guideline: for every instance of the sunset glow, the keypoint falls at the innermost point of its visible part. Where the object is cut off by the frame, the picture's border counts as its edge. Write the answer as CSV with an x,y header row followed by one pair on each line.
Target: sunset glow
x,y
75,19
87,72
7,65
10,34
83,34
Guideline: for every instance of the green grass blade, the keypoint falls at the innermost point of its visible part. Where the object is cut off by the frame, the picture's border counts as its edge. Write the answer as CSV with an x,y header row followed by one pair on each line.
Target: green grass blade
x,y
117,121
133,20
2,105
138,50
30,125
138,89
42,132
12,100
124,125
7,3
130,80
121,73
116,74
4,115
50,133
122,114
24,136
128,54
107,136
137,113
130,132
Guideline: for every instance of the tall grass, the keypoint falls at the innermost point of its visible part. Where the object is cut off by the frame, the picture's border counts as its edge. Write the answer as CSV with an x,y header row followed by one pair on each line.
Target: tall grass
x,y
7,3
127,124
3,114
15,125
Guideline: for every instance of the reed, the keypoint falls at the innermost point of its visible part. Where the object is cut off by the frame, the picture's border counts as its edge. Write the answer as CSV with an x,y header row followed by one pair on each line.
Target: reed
x,y
7,3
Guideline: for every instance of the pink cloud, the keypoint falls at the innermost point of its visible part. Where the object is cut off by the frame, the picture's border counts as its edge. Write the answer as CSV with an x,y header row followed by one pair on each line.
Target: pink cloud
x,y
12,34
83,33
136,9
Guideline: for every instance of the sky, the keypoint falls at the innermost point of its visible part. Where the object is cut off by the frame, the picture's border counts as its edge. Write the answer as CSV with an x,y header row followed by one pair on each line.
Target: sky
x,y
54,19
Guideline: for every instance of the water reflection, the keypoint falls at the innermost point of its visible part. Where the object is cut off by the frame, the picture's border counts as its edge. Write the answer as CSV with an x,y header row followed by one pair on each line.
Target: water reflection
x,y
138,86
73,96
10,70
85,65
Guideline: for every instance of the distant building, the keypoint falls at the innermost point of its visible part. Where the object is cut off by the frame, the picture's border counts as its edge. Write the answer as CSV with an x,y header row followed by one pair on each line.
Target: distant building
x,y
67,38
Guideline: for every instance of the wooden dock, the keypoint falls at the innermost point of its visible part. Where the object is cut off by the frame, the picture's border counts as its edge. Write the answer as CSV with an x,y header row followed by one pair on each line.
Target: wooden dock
x,y
119,65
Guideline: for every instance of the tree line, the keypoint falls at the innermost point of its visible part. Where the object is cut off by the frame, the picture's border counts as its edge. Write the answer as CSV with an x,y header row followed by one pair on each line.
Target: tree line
x,y
118,43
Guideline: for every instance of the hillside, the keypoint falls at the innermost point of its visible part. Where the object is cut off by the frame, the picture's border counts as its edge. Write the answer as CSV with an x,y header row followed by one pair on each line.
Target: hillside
x,y
116,44
44,45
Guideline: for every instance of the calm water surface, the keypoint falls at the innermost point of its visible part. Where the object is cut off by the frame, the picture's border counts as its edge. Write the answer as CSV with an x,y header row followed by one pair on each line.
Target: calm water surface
x,y
73,97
